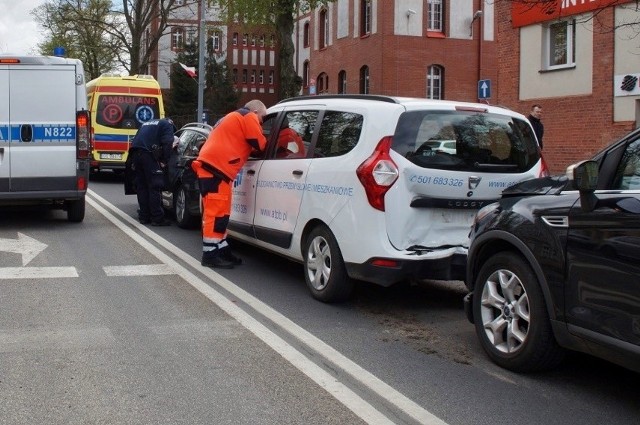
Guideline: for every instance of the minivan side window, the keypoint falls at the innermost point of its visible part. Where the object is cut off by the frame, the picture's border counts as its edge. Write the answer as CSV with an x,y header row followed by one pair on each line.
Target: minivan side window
x,y
295,134
339,133
466,141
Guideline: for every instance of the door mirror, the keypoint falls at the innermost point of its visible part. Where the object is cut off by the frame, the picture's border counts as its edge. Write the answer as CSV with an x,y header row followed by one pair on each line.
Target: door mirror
x,y
584,175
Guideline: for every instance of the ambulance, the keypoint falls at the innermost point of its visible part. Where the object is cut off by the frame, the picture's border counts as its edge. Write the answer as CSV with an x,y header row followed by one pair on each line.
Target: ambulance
x,y
119,105
44,133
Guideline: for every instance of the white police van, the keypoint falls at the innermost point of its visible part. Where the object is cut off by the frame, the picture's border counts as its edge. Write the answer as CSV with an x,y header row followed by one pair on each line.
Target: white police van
x,y
44,133
369,197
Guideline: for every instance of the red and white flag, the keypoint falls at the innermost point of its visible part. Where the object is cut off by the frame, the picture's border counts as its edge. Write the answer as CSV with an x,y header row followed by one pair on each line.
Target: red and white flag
x,y
189,70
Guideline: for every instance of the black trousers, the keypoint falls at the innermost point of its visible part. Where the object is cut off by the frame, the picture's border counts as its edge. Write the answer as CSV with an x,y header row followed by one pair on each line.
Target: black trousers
x,y
149,181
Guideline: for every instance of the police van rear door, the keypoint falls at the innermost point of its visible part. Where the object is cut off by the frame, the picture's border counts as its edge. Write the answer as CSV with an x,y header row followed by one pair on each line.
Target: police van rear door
x,y
4,129
42,101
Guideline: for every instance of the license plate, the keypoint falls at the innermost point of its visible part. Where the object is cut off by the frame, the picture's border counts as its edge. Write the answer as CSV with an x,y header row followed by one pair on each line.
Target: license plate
x,y
117,156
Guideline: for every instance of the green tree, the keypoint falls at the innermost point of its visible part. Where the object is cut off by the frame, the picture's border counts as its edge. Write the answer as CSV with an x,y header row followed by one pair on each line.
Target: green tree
x,y
71,24
278,15
182,102
220,95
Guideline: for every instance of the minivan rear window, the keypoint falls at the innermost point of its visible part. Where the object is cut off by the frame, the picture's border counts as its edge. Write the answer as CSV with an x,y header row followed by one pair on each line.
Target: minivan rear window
x,y
466,141
125,111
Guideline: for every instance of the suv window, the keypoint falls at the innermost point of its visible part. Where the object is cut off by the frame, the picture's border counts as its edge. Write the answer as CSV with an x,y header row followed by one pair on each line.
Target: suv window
x,y
474,141
339,133
628,172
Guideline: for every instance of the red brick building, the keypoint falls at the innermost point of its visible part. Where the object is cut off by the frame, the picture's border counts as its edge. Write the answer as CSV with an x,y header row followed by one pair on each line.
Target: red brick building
x,y
422,48
567,57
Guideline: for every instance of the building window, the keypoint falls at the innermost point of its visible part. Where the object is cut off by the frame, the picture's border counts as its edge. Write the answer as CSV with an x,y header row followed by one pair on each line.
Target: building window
x,y
192,35
323,83
235,38
435,74
434,15
253,40
244,76
214,36
305,35
245,39
365,17
324,29
253,76
271,75
262,40
364,80
177,38
342,82
235,75
305,74
261,77
560,44
272,41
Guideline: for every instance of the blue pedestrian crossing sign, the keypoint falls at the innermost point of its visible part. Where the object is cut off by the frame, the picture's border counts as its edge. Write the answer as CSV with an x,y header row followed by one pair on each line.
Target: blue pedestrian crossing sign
x,y
484,89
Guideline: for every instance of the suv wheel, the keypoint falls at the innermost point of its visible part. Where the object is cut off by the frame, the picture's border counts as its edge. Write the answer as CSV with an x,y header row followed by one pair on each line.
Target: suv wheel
x,y
183,218
324,269
511,317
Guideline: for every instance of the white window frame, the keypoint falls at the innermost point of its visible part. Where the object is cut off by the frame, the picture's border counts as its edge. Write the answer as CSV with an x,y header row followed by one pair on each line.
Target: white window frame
x,y
366,8
550,47
434,15
434,82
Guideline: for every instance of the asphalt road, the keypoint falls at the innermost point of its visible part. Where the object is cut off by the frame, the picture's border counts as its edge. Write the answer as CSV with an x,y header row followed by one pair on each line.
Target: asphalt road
x,y
250,345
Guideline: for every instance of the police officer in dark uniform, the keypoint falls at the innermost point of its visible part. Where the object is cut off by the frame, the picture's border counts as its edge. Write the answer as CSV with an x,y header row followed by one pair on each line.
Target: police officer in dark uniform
x,y
151,150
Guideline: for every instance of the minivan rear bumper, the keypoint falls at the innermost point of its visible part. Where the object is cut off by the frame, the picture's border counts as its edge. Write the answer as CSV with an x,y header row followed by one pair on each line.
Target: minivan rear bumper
x,y
449,268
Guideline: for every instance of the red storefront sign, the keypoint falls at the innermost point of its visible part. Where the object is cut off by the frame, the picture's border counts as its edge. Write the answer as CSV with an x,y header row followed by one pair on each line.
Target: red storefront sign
x,y
525,13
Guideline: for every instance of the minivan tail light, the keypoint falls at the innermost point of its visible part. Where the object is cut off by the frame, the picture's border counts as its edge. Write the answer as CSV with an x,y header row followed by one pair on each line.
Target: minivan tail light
x,y
83,135
378,173
544,168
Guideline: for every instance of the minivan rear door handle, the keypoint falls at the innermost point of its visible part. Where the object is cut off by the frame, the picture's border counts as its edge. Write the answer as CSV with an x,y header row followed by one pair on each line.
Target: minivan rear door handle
x,y
251,172
297,172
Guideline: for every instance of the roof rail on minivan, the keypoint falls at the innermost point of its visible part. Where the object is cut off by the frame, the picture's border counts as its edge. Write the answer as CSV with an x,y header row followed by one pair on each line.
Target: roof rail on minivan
x,y
376,97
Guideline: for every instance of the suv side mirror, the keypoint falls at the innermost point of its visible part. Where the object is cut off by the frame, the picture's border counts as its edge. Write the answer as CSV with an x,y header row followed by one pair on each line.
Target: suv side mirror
x,y
584,176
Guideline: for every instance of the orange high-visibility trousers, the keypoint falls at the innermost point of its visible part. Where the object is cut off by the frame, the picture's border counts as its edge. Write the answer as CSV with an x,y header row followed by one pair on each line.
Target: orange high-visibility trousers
x,y
215,216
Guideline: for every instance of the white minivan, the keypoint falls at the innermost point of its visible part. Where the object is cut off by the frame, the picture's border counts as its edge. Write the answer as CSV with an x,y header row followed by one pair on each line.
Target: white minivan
x,y
44,133
366,196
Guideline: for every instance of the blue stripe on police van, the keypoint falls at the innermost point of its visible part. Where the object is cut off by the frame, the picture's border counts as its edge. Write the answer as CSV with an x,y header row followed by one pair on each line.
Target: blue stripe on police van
x,y
47,133
4,133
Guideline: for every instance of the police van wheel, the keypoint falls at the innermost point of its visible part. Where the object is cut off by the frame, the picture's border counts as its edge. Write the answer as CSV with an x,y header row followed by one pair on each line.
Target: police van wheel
x,y
324,269
75,210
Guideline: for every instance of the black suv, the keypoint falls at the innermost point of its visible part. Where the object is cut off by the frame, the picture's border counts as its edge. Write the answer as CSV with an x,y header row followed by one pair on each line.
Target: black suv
x,y
555,265
181,195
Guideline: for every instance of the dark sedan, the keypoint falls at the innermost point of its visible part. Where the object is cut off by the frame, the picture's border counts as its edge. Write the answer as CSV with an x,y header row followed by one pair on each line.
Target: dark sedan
x,y
181,195
554,265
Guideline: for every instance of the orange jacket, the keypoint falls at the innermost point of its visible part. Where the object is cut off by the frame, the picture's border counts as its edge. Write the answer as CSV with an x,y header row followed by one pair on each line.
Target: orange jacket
x,y
288,135
230,143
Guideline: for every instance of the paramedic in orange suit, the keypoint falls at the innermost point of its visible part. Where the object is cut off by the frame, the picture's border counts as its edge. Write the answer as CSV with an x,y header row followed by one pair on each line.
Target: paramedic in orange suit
x,y
222,156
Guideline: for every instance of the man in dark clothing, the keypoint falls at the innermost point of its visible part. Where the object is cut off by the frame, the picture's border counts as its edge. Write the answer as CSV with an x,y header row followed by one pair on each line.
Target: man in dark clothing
x,y
534,118
151,150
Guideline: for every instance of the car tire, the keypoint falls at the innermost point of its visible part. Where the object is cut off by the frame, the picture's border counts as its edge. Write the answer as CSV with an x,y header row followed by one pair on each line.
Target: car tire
x,y
183,218
324,269
76,210
511,317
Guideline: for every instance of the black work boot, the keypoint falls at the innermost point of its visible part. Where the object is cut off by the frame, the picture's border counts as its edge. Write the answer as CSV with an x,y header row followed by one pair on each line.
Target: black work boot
x,y
215,260
226,254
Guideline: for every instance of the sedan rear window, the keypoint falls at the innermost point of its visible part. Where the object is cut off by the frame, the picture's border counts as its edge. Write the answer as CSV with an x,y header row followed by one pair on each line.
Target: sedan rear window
x,y
466,141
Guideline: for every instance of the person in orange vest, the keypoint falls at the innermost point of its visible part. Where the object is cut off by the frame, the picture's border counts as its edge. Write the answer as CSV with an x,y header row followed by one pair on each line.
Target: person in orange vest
x,y
226,150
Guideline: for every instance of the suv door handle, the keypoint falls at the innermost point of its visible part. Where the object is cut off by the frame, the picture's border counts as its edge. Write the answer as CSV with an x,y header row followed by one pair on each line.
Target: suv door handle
x,y
297,172
251,172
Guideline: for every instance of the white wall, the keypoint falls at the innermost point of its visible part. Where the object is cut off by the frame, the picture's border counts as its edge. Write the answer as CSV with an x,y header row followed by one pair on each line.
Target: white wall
x,y
535,84
626,61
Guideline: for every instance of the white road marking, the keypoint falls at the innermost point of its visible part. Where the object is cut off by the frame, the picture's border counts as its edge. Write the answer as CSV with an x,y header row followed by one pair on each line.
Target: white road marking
x,y
338,390
24,245
37,272
139,270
